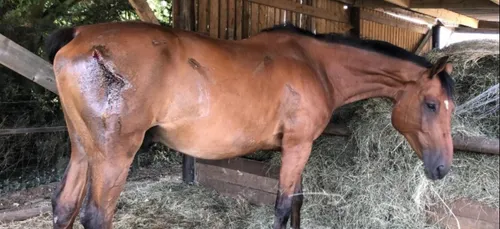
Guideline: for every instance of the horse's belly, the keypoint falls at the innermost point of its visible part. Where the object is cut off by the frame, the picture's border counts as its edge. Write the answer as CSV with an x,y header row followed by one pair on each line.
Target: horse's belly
x,y
217,141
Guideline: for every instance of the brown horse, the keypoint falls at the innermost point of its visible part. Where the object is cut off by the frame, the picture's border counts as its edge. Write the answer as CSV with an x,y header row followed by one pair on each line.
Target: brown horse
x,y
216,99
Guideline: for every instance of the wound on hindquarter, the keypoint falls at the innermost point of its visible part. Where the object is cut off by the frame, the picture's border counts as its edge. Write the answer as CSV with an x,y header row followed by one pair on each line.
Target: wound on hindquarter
x,y
110,81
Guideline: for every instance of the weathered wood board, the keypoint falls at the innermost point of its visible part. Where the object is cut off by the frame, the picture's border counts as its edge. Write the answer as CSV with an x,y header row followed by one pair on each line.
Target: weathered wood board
x,y
252,180
467,214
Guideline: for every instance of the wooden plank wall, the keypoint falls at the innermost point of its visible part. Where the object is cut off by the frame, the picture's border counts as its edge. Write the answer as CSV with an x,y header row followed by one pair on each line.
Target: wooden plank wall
x,y
225,18
328,26
237,19
406,35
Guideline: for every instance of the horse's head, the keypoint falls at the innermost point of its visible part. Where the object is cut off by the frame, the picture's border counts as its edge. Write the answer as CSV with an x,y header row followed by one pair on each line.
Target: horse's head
x,y
422,114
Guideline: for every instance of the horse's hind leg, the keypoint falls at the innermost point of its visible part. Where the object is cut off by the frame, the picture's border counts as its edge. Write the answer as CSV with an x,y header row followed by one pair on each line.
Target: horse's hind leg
x,y
108,171
69,193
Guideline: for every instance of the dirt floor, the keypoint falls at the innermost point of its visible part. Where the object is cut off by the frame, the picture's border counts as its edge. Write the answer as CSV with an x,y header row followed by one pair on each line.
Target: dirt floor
x,y
38,199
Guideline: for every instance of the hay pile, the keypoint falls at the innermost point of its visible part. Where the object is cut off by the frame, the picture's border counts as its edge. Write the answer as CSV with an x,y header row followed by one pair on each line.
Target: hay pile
x,y
369,180
475,70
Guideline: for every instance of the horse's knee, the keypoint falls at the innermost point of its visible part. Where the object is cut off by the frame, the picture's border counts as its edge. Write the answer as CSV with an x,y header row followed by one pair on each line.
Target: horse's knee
x,y
91,217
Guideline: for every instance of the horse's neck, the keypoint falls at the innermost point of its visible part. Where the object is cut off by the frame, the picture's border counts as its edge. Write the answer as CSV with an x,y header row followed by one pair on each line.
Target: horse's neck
x,y
355,74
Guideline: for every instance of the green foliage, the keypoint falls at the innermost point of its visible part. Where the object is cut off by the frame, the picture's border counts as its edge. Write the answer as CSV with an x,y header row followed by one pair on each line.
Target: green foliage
x,y
162,10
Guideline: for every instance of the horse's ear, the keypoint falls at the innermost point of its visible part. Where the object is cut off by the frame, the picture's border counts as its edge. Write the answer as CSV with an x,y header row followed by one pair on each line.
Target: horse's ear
x,y
449,68
440,65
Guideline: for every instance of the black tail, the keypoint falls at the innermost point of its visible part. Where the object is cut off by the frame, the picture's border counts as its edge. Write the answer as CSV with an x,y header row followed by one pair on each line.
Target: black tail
x,y
57,40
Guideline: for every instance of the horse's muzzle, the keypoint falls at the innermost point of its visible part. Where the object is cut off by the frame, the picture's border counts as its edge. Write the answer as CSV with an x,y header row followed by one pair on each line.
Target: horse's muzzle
x,y
436,167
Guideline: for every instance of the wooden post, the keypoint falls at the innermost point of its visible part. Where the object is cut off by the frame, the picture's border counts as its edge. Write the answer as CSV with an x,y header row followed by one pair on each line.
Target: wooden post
x,y
144,11
184,18
355,21
435,35
245,19
418,50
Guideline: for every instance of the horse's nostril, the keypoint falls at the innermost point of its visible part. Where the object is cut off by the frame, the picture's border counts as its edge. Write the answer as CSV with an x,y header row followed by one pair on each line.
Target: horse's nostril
x,y
440,170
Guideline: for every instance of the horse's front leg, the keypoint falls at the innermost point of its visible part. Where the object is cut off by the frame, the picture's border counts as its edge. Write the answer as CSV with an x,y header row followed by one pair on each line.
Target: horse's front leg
x,y
295,153
297,204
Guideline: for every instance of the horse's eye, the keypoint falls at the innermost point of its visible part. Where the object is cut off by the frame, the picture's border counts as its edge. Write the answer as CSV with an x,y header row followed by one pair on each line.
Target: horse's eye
x,y
431,106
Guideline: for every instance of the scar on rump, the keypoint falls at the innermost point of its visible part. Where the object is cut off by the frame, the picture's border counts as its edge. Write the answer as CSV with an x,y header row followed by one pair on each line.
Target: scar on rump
x,y
197,66
158,42
263,64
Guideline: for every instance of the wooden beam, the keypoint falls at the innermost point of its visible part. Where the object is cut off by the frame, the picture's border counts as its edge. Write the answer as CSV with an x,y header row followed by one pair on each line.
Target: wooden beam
x,y
476,144
383,3
348,2
402,3
4,132
488,24
443,14
423,42
483,145
144,11
253,180
449,16
23,214
495,1
27,64
338,129
370,16
466,212
407,13
472,30
387,7
303,9
376,4
452,4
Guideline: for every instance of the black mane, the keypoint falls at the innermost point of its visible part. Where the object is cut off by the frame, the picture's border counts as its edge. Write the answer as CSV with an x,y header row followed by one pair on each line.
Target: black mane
x,y
377,46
